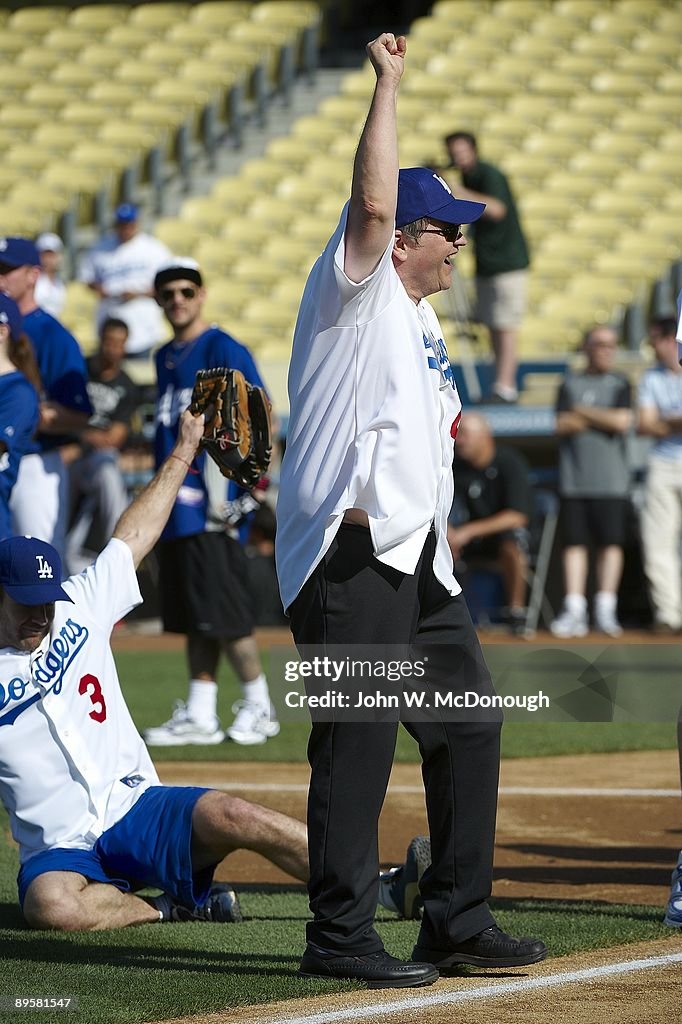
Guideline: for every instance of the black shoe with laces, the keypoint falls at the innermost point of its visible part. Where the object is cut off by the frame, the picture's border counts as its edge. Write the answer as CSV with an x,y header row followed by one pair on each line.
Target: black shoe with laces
x,y
490,948
379,970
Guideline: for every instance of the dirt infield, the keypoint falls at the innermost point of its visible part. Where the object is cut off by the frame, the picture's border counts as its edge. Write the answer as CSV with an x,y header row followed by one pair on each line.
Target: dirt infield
x,y
600,827
553,840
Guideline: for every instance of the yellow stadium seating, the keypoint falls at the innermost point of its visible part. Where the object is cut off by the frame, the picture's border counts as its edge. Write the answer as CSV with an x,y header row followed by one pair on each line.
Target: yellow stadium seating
x,y
12,43
79,76
103,56
36,19
126,37
262,173
49,95
602,108
458,12
38,59
14,81
203,214
179,234
69,42
158,15
234,194
614,25
581,10
660,44
98,16
217,15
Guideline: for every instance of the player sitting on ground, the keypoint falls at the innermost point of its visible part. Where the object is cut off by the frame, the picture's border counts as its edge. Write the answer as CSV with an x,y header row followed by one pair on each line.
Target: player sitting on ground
x,y
85,803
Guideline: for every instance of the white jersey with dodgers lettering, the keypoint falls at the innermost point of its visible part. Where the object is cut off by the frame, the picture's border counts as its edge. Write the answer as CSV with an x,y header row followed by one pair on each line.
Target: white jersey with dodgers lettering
x,y
72,762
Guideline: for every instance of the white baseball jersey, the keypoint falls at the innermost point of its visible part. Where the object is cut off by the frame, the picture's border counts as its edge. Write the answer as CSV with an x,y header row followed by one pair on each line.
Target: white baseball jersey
x,y
374,410
72,762
124,267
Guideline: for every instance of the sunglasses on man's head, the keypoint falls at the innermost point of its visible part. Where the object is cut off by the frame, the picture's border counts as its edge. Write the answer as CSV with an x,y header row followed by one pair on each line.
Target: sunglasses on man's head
x,y
450,232
166,294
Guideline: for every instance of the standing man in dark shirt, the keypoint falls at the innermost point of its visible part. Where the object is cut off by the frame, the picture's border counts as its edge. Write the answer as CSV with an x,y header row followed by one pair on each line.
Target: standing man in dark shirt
x,y
502,258
594,416
39,502
96,486
493,494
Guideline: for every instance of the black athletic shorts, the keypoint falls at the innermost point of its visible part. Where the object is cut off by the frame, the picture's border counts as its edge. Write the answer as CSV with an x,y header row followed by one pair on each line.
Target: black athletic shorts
x,y
594,521
203,586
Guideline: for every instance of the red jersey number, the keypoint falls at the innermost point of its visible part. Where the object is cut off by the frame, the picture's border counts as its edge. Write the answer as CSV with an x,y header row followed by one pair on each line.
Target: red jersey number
x,y
90,684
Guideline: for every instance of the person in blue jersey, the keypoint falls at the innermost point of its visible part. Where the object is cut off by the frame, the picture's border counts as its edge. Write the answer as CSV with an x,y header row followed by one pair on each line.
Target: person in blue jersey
x,y
39,502
203,579
19,386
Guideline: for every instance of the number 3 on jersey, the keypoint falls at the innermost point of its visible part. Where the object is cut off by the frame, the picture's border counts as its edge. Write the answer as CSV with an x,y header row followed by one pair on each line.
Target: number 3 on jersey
x,y
89,684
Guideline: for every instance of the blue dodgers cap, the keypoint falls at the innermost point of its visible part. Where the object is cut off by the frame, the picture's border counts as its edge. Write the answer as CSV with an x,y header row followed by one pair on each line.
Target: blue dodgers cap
x,y
10,316
18,252
31,571
423,193
126,213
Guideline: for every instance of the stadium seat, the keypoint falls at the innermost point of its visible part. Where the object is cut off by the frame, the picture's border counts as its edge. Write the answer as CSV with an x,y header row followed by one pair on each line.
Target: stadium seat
x,y
302,192
84,114
601,108
293,154
645,11
79,77
659,44
218,14
256,240
644,66
12,43
38,59
645,124
234,194
662,105
27,158
536,110
49,96
203,214
113,95
667,22
126,37
136,73
601,48
626,147
458,12
614,25
57,137
549,83
578,66
20,222
627,207
158,15
670,82
568,124
648,185
597,228
14,81
262,173
98,16
613,83
295,14
581,10
179,234
36,19
102,56
555,26
664,164
22,118
554,147
600,166
69,41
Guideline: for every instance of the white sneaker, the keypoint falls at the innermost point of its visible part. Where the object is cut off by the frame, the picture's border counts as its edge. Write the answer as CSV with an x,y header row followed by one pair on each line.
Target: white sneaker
x,y
569,624
254,723
180,729
606,622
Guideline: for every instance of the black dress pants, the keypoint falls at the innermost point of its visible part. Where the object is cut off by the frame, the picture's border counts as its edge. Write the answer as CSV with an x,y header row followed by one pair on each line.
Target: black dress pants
x,y
352,598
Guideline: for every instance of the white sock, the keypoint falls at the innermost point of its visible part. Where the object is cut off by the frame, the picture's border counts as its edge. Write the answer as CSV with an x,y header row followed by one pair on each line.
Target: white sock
x,y
256,690
202,701
605,601
576,604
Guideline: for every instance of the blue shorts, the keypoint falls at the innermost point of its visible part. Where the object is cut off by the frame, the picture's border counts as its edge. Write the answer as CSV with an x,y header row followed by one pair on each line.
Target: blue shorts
x,y
149,847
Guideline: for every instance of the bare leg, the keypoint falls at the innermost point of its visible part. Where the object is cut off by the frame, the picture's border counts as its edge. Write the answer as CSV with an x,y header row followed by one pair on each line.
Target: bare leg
x,y
223,823
69,902
609,568
514,564
504,346
244,657
575,569
203,655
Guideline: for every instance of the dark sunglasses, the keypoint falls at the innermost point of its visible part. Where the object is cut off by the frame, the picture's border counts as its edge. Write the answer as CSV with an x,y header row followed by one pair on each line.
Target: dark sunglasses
x,y
450,232
166,294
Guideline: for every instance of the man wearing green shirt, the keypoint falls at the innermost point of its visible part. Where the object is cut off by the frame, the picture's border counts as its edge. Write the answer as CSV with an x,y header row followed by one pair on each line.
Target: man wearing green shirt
x,y
501,258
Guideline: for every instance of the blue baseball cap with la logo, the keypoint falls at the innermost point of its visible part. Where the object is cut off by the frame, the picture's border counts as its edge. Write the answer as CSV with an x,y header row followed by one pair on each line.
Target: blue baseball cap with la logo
x,y
423,193
31,571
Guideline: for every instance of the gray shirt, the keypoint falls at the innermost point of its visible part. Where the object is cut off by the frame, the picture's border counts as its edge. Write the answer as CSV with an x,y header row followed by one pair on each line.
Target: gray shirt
x,y
593,463
661,389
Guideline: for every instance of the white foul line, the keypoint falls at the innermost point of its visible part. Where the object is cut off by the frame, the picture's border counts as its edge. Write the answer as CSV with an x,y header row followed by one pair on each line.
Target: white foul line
x,y
302,787
422,1002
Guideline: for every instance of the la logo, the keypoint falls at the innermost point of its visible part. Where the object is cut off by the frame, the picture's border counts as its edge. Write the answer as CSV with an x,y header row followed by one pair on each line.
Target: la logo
x,y
44,568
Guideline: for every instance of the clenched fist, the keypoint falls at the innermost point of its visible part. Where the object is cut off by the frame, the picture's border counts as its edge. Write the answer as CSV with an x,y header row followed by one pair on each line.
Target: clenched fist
x,y
387,55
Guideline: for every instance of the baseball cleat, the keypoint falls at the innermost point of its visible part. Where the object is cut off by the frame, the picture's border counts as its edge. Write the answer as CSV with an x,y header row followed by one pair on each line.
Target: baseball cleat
x,y
221,907
399,887
254,723
180,730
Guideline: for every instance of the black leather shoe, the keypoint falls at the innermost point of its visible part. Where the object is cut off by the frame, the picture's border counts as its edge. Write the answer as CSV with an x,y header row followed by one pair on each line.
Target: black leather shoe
x,y
379,970
489,948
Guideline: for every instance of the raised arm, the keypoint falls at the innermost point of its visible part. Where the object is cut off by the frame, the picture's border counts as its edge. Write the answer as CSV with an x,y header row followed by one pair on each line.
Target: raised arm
x,y
374,192
141,524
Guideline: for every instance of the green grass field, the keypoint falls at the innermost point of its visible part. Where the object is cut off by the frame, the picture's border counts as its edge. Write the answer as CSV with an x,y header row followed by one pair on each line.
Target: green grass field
x,y
153,681
155,972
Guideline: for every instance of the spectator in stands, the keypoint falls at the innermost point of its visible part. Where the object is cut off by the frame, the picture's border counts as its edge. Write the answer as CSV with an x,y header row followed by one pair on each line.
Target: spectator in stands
x,y
120,268
260,550
660,417
492,510
502,258
19,410
50,289
203,568
594,417
97,489
39,501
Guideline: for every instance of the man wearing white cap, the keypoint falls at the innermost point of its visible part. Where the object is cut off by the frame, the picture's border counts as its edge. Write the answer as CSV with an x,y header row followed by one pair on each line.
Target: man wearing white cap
x,y
50,290
120,268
